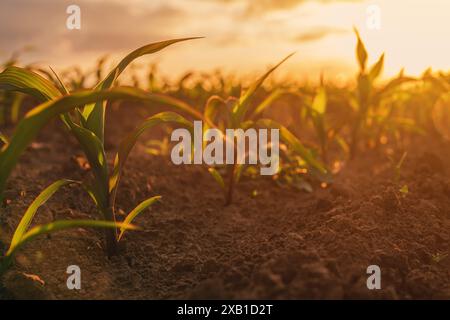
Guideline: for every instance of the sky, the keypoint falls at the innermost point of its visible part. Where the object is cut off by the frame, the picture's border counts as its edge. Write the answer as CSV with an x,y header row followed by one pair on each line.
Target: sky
x,y
242,37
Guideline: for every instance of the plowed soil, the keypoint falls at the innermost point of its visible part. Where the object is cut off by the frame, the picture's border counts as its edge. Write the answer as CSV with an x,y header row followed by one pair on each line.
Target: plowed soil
x,y
275,243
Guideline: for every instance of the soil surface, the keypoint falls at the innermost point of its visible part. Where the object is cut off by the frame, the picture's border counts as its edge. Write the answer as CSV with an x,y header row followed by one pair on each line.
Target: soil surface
x,y
270,244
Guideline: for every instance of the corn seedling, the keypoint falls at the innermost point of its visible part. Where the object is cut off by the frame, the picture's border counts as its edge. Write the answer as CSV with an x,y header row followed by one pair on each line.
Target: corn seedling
x,y
36,118
24,234
368,98
303,156
88,130
236,115
365,82
294,171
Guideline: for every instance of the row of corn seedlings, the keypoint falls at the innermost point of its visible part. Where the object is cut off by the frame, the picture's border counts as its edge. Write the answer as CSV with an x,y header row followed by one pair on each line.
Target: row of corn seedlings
x,y
82,112
376,113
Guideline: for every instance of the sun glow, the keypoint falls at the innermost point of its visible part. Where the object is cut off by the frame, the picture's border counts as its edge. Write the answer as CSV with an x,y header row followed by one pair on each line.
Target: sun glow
x,y
241,36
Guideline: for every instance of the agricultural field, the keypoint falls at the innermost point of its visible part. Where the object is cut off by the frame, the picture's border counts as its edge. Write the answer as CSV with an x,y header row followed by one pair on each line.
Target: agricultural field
x,y
88,178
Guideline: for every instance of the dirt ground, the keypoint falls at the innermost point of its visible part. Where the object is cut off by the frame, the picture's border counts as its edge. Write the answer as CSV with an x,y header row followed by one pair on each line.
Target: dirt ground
x,y
281,243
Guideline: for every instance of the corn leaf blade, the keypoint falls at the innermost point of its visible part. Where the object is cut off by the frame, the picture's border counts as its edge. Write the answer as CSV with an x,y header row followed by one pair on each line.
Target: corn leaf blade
x,y
241,107
128,143
4,139
211,110
361,52
267,102
319,104
41,199
64,225
295,143
95,153
176,104
217,177
29,82
135,212
95,113
377,69
34,120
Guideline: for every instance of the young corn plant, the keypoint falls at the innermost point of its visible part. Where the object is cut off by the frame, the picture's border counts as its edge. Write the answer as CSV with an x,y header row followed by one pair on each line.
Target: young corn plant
x,y
304,159
24,234
364,90
299,163
368,98
87,125
237,114
34,120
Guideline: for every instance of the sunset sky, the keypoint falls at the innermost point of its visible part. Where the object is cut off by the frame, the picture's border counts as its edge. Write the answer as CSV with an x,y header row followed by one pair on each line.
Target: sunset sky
x,y
241,36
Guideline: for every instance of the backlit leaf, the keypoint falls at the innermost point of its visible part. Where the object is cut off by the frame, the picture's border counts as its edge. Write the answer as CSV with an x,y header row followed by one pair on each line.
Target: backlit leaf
x,y
95,113
133,214
361,52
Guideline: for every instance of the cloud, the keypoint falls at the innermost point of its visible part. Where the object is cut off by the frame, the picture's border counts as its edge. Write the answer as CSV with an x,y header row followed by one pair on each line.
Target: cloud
x,y
260,7
318,34
105,25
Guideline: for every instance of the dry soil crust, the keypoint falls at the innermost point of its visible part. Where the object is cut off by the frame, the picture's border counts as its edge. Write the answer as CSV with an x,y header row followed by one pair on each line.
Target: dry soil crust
x,y
281,243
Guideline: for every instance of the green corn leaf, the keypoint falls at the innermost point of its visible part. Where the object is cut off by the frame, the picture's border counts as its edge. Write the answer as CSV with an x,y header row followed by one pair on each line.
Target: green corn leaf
x,y
15,107
377,69
128,143
91,191
95,113
95,153
318,109
35,205
62,87
241,107
393,85
133,214
66,118
45,73
2,112
364,92
343,144
319,103
34,120
404,190
176,104
267,102
216,175
63,225
247,124
406,124
211,110
4,139
238,172
295,144
361,52
29,82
